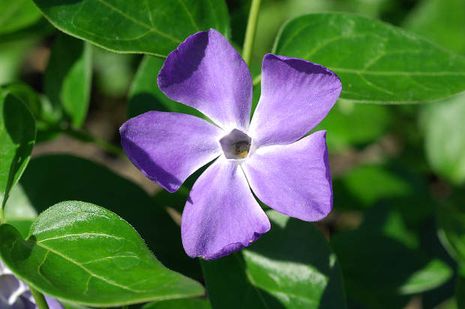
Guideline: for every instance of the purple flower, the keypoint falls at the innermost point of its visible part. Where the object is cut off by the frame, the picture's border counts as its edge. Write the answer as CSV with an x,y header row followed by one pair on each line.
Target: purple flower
x,y
268,155
14,294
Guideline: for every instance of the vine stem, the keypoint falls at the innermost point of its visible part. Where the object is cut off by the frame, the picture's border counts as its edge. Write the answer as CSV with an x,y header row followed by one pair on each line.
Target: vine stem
x,y
39,299
250,31
2,213
88,138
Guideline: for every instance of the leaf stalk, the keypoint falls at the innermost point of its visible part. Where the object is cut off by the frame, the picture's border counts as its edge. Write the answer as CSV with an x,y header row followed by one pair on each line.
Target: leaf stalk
x,y
250,31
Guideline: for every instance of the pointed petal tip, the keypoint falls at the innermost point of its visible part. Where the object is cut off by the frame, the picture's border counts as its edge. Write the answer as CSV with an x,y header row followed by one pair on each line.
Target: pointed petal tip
x,y
316,66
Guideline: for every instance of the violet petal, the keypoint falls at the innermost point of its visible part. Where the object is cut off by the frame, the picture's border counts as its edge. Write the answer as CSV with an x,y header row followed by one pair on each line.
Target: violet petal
x,y
207,73
293,179
296,95
221,215
169,147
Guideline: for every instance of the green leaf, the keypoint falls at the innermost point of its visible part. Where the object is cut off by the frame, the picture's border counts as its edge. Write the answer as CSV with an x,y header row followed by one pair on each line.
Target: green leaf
x,y
180,303
68,78
442,21
292,266
371,184
44,114
230,274
376,62
347,124
17,137
445,146
19,211
51,179
86,254
17,14
145,95
152,26
451,230
395,261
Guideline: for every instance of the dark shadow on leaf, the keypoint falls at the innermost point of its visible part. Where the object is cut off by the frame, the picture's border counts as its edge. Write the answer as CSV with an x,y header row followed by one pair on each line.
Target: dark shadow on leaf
x,y
20,127
229,286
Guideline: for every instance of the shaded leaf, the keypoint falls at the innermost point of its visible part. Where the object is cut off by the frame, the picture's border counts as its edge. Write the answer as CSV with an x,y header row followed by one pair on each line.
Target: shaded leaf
x,y
395,262
347,124
376,62
84,253
451,229
442,21
153,26
445,146
17,137
17,14
68,78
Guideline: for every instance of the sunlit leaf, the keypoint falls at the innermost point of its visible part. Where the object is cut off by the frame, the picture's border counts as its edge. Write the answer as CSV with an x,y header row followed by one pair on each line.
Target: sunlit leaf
x,y
153,26
84,253
377,63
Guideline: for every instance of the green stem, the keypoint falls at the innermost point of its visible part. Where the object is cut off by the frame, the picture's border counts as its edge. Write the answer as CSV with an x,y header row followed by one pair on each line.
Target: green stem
x,y
88,138
39,298
250,31
2,213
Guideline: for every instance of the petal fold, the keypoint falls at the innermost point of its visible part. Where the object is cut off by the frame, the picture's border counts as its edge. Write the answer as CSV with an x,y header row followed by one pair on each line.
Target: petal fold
x,y
169,147
207,73
221,215
296,95
293,179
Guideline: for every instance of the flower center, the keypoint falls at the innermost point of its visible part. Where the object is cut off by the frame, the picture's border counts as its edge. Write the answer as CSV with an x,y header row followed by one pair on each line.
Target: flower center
x,y
236,145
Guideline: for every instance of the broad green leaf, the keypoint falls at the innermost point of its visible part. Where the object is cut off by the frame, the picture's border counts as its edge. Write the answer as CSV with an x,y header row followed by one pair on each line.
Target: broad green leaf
x,y
86,254
51,179
376,62
17,14
180,304
395,261
442,21
451,230
442,124
17,137
292,266
145,95
152,26
68,78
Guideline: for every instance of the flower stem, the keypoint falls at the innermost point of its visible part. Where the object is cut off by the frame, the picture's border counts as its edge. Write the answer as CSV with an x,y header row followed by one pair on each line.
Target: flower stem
x,y
39,299
84,136
2,213
250,31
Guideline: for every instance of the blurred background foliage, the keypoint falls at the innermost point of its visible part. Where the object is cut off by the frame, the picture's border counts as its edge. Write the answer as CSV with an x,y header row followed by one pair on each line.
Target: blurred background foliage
x,y
398,227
